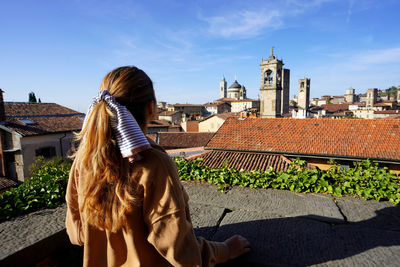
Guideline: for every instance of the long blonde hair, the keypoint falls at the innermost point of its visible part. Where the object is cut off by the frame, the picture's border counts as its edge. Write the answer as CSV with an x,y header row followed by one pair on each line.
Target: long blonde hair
x,y
108,190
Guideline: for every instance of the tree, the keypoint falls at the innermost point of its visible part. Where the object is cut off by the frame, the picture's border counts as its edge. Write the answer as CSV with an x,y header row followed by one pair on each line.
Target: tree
x,y
393,91
32,97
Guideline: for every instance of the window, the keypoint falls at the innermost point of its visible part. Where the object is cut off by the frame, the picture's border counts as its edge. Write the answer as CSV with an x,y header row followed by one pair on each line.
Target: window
x,y
268,77
27,122
47,152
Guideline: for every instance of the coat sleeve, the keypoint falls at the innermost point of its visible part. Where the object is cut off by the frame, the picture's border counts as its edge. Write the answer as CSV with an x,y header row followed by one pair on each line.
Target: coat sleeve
x,y
73,222
168,220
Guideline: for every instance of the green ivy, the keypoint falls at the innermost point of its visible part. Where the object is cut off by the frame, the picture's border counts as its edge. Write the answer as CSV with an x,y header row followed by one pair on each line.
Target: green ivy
x,y
45,189
366,179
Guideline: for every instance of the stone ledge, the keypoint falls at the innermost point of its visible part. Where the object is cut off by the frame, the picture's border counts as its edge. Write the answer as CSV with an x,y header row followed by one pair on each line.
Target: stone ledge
x,y
284,229
29,238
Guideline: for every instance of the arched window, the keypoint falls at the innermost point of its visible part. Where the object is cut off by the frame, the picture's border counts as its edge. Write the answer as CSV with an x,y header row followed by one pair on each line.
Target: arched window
x,y
268,77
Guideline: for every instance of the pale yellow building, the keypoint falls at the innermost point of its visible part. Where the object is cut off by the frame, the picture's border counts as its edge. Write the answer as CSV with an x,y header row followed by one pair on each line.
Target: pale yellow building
x,y
213,123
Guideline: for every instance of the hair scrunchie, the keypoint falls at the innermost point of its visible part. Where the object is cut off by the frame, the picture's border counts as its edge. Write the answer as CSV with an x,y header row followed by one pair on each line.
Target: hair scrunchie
x,y
130,138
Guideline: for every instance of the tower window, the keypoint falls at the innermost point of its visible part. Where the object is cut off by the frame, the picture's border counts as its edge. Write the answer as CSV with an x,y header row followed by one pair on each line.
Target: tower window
x,y
268,77
302,85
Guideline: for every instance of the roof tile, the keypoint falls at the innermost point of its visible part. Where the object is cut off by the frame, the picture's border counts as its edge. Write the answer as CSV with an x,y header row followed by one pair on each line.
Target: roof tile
x,y
243,160
372,138
183,139
47,118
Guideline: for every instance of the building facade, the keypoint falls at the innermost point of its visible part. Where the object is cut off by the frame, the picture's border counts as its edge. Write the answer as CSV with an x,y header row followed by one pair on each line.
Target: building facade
x,y
245,104
29,130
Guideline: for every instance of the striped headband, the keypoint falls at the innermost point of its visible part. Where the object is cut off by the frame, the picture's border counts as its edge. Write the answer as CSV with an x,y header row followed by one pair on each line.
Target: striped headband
x,y
130,138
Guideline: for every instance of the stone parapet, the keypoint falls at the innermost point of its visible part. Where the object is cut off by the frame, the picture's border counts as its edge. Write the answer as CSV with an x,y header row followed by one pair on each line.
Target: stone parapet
x,y
284,228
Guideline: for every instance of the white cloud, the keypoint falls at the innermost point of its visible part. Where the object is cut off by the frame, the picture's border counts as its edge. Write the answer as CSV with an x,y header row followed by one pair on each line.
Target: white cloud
x,y
373,57
362,70
243,24
349,10
251,22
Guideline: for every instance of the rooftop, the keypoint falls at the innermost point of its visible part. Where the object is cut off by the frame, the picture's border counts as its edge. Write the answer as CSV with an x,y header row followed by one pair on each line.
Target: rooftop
x,y
187,105
183,139
395,111
243,160
335,107
235,84
246,100
158,123
30,119
349,138
168,113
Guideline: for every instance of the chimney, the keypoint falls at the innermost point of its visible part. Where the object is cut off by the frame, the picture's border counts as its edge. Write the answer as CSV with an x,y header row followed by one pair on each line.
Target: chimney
x,y
2,108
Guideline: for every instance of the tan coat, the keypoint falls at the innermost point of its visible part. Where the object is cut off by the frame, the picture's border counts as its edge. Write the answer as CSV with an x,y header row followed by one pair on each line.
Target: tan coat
x,y
160,231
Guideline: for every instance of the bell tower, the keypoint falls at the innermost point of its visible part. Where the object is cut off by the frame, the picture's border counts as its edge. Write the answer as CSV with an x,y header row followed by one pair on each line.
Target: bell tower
x,y
271,87
222,88
398,94
303,98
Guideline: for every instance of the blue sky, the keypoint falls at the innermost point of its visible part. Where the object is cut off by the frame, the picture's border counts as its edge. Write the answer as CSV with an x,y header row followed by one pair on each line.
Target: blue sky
x,y
62,49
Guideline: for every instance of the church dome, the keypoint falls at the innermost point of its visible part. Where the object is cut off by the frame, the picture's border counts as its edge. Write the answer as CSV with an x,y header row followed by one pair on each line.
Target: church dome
x,y
235,85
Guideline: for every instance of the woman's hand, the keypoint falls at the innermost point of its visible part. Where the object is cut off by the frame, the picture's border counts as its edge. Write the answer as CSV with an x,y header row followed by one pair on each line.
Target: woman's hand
x,y
238,245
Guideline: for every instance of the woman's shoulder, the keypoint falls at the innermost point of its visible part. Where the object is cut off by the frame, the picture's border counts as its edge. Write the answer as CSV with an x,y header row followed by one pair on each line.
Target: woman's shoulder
x,y
155,167
155,157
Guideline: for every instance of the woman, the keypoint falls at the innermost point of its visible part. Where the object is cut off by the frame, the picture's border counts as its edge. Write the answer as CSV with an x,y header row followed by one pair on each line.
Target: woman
x,y
126,205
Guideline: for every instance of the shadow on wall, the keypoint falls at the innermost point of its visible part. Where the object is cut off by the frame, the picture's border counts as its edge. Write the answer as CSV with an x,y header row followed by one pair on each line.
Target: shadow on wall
x,y
293,241
308,240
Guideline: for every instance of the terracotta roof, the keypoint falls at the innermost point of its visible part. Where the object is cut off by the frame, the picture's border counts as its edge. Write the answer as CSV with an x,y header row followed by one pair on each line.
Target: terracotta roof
x,y
384,104
358,104
187,105
46,118
243,160
335,107
192,126
215,103
391,111
168,113
226,99
15,109
152,136
372,138
158,123
183,139
246,100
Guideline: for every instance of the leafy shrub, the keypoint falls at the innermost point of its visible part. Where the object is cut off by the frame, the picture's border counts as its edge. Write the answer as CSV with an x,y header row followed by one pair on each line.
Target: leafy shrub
x,y
366,179
45,189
